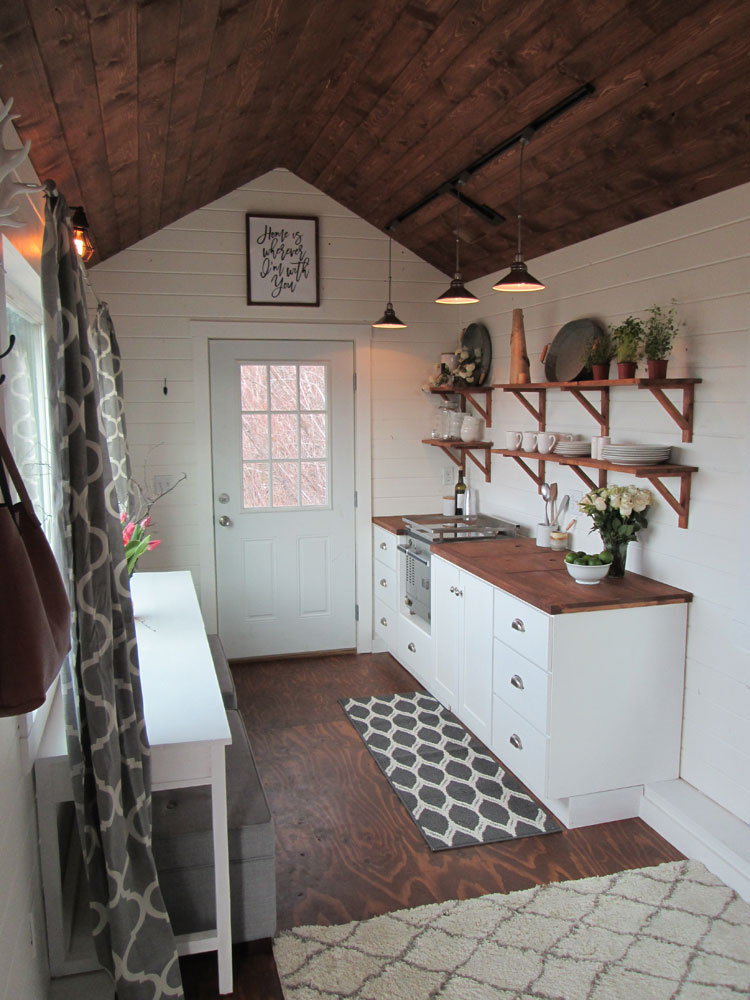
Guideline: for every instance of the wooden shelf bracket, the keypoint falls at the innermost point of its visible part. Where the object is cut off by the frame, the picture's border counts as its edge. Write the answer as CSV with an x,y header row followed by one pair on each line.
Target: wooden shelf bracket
x,y
458,451
683,418
538,412
602,414
470,394
681,507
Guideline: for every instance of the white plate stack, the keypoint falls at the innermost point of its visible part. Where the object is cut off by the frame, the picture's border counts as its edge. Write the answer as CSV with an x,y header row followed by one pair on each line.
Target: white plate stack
x,y
573,449
636,454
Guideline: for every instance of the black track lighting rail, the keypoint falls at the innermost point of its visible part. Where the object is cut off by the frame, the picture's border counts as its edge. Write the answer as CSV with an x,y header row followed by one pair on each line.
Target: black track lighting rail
x,y
454,184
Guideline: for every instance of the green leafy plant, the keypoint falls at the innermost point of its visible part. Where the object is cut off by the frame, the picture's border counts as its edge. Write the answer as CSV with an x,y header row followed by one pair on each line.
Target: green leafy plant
x,y
628,338
661,328
601,350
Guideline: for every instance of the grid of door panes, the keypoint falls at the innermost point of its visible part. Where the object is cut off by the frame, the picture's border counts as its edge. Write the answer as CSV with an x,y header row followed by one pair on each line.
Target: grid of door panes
x,y
285,460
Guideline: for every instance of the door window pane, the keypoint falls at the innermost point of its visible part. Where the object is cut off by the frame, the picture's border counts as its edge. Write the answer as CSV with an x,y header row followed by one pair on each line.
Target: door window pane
x,y
284,432
254,435
254,387
284,424
283,387
312,387
255,484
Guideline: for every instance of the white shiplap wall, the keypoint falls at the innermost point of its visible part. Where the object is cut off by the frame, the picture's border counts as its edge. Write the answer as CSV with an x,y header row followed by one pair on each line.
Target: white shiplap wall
x,y
697,255
195,270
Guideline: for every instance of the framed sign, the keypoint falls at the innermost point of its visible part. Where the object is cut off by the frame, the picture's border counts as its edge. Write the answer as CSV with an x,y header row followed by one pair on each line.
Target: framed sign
x,y
282,261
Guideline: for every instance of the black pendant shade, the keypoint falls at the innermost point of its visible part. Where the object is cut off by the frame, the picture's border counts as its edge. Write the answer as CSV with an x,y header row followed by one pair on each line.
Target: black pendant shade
x,y
389,320
518,278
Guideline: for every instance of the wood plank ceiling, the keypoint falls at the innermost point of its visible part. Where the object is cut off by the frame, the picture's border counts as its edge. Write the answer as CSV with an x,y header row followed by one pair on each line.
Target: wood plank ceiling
x,y
145,111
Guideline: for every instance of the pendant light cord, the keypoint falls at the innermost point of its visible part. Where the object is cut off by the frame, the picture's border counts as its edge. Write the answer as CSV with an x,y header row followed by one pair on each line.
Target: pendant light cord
x,y
458,236
524,143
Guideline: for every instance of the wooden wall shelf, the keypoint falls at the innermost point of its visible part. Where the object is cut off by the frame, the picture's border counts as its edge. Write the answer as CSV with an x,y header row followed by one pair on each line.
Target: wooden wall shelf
x,y
471,393
655,474
459,451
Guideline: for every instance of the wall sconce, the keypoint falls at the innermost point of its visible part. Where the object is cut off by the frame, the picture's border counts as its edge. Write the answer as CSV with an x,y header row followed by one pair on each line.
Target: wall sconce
x,y
389,320
82,243
456,294
518,278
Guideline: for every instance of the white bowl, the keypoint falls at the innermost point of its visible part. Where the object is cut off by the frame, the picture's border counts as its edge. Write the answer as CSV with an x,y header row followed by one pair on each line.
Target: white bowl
x,y
588,575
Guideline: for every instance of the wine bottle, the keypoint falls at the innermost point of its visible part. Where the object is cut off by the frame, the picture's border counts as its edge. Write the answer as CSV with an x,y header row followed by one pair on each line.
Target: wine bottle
x,y
460,494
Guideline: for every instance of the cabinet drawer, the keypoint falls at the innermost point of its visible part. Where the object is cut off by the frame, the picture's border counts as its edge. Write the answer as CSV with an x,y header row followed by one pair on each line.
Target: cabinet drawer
x,y
519,746
385,623
385,585
521,684
414,650
522,627
384,546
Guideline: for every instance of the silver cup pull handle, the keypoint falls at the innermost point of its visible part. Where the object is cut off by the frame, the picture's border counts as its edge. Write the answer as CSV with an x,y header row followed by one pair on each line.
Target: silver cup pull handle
x,y
518,625
411,647
383,546
515,741
384,582
384,622
517,682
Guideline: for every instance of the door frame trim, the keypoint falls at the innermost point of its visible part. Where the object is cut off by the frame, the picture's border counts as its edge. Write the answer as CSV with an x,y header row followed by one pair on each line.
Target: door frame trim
x,y
360,337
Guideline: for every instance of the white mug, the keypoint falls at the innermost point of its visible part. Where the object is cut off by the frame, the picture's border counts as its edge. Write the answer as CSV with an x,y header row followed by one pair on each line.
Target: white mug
x,y
542,535
597,443
528,441
546,442
513,440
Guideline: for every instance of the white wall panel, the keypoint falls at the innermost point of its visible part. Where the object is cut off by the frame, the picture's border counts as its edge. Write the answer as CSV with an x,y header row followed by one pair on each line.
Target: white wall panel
x,y
698,255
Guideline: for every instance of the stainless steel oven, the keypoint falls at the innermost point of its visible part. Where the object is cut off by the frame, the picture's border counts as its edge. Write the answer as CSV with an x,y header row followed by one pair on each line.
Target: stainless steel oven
x,y
414,562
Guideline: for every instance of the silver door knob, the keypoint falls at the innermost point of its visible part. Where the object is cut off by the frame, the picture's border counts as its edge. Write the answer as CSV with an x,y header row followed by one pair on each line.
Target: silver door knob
x,y
225,521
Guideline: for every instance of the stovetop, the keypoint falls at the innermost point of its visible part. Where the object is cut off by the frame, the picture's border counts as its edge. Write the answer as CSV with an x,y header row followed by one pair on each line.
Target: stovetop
x,y
459,529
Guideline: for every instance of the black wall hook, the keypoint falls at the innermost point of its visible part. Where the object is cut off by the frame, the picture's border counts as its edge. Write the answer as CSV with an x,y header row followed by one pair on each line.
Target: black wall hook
x,y
6,352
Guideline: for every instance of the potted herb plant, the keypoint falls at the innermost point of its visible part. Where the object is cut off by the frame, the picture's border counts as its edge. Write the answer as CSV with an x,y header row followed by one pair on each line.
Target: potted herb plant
x,y
599,354
661,328
628,339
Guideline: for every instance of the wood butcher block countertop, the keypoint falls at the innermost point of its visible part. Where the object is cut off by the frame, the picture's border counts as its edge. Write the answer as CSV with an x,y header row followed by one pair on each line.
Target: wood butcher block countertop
x,y
539,577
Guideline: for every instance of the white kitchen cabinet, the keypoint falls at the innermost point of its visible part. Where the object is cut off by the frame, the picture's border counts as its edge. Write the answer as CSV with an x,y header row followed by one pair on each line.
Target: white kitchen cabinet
x,y
590,703
385,588
462,626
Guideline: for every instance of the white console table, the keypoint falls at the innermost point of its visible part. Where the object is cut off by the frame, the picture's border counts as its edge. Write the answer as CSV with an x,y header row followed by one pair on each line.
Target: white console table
x,y
188,732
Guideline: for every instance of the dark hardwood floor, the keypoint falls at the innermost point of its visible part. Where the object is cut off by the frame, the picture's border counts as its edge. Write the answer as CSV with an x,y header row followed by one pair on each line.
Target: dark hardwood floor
x,y
346,848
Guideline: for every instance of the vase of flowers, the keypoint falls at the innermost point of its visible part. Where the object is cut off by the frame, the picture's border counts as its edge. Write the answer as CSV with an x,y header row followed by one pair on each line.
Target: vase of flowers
x,y
618,513
136,541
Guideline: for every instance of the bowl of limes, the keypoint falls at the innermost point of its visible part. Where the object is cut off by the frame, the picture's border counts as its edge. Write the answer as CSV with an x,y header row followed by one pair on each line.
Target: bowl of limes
x,y
588,569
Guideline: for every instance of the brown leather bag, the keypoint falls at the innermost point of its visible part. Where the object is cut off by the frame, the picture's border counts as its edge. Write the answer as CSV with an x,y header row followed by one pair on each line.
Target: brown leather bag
x,y
34,607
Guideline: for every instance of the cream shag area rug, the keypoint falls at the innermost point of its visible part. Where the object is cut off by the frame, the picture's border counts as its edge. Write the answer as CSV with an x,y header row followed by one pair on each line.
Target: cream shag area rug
x,y
673,931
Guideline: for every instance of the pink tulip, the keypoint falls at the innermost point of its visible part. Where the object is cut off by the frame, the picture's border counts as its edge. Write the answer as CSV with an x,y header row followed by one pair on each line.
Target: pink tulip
x,y
154,545
146,521
123,517
127,532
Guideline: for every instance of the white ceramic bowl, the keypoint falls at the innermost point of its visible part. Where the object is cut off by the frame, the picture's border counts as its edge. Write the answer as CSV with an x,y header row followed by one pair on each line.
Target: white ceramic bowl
x,y
587,574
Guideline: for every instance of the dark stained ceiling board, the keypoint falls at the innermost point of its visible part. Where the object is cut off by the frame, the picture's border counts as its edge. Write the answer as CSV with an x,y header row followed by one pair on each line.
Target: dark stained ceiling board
x,y
143,112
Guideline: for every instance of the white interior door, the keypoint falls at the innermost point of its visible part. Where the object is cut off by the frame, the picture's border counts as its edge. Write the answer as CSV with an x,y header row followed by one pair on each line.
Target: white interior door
x,y
282,431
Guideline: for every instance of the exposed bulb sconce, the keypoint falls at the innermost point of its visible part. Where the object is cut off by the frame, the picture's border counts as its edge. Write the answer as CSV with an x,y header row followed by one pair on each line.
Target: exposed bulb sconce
x,y
456,294
518,278
81,241
389,320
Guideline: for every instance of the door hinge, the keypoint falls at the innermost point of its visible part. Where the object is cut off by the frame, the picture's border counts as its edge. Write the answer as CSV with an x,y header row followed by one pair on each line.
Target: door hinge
x,y
354,381
356,612
356,499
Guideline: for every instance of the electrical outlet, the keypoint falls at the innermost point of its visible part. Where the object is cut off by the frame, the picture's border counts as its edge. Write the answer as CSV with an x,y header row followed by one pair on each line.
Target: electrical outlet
x,y
447,476
162,484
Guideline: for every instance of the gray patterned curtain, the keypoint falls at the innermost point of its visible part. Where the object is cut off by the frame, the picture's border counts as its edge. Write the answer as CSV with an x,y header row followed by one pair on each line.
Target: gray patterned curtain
x,y
112,406
107,745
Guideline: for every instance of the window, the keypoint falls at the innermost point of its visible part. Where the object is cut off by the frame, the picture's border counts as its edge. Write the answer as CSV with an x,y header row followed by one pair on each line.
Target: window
x,y
285,426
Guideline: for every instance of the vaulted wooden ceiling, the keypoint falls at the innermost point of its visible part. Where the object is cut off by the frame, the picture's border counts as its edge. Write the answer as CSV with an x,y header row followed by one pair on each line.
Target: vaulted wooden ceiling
x,y
145,111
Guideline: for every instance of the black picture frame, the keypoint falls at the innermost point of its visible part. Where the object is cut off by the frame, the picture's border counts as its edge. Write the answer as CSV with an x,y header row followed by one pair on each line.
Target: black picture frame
x,y
282,260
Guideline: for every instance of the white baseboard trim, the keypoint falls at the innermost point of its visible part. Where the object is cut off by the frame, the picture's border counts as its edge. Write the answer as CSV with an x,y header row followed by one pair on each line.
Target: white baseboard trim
x,y
701,829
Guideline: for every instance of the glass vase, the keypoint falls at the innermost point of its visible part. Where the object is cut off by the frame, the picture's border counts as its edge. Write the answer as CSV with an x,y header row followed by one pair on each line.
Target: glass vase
x,y
619,551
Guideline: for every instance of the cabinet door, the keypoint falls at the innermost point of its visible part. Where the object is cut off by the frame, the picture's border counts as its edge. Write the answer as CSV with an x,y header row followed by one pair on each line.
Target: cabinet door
x,y
475,685
446,627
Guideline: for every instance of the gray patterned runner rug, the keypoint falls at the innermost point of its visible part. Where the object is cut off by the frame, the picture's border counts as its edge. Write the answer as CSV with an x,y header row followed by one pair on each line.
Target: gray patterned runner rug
x,y
452,786
673,932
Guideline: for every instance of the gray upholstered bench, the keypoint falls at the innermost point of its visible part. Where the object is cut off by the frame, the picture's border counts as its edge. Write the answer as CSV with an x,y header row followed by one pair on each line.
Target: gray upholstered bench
x,y
223,673
183,850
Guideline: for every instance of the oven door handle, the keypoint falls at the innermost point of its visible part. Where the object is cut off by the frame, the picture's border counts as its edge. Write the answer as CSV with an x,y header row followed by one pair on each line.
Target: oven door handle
x,y
413,555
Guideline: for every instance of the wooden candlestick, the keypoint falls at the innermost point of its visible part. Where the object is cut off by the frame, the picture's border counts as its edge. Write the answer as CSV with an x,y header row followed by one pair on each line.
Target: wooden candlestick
x,y
520,370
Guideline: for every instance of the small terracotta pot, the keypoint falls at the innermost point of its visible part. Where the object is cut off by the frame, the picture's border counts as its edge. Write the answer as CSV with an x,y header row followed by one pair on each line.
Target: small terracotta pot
x,y
657,369
600,372
626,369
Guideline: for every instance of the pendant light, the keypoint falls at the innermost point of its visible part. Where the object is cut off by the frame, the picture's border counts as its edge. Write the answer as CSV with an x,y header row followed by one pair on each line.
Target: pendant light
x,y
80,225
389,320
518,278
457,295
